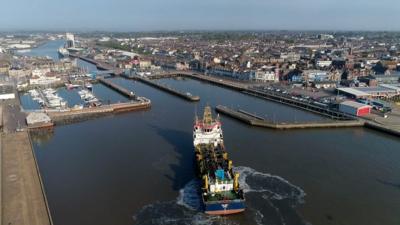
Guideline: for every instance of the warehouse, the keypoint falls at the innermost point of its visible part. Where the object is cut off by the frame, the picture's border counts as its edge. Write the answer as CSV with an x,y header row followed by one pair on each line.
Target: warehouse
x,y
353,92
354,108
383,90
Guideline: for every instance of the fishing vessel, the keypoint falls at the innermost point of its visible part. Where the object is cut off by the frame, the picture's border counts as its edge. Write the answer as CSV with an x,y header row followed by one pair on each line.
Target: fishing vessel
x,y
220,191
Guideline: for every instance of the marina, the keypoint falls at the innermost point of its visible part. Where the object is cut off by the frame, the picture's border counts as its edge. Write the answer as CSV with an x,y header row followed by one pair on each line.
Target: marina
x,y
153,148
48,98
200,113
259,138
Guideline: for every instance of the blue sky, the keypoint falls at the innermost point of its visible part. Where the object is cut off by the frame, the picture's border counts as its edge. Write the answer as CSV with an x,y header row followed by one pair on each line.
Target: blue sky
x,y
147,15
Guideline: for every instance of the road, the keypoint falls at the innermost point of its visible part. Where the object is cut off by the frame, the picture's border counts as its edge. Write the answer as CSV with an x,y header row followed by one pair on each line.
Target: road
x,y
22,198
13,118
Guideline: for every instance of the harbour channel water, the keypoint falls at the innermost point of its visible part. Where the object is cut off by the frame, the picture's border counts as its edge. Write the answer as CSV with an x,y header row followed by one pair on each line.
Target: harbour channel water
x,y
137,168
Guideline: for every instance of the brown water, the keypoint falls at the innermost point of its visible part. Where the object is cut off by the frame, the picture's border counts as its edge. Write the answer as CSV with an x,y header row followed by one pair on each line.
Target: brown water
x,y
137,168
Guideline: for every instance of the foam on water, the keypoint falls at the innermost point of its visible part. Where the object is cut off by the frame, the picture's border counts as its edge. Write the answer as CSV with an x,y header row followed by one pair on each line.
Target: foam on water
x,y
189,195
270,199
254,181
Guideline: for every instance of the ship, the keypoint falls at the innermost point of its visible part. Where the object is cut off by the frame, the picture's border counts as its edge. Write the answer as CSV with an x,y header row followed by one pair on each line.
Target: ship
x,y
220,190
69,46
63,52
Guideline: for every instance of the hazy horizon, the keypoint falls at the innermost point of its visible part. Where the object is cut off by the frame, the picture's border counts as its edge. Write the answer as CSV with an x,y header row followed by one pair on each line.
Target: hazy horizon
x,y
206,15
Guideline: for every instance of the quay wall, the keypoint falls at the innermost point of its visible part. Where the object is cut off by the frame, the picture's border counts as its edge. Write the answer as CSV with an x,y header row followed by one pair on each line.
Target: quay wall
x,y
23,194
267,96
73,116
117,88
382,128
254,120
169,90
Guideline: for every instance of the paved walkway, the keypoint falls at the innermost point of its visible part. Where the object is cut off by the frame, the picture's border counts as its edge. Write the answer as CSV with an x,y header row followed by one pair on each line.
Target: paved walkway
x,y
391,122
22,199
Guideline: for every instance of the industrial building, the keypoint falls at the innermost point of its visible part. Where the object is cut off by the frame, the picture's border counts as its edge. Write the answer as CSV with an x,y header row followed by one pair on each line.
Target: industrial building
x,y
382,90
354,108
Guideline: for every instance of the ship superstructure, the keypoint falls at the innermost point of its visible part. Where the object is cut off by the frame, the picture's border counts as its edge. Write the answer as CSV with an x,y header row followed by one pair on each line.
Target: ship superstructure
x,y
71,46
220,191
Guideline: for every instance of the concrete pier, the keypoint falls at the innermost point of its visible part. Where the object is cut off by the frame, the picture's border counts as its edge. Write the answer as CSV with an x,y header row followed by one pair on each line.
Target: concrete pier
x,y
185,96
71,116
197,76
23,200
255,120
99,65
117,88
382,128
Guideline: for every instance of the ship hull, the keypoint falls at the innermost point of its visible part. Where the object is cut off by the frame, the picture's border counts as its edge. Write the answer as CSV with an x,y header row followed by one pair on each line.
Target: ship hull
x,y
63,55
224,208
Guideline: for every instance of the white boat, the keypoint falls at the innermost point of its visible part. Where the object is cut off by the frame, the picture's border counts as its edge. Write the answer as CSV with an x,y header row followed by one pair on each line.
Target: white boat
x,y
72,86
77,107
63,52
49,91
89,86
90,100
34,93
83,93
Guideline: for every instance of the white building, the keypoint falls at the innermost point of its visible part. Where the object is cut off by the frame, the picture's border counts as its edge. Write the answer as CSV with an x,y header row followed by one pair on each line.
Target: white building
x,y
181,66
129,54
217,60
324,63
315,75
70,40
43,77
325,36
40,72
144,63
266,76
105,39
19,46
290,57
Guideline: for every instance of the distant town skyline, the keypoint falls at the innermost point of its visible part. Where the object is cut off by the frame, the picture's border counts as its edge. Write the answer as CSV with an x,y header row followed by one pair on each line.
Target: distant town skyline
x,y
150,15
